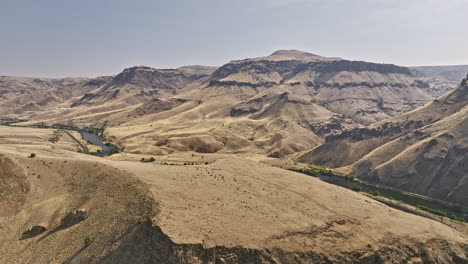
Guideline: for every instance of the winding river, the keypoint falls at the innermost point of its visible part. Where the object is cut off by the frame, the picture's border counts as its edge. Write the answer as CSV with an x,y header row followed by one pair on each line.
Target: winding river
x,y
95,140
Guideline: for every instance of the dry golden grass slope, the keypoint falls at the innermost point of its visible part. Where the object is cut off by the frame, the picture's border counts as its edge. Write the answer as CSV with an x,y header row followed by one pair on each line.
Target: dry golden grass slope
x,y
230,210
423,151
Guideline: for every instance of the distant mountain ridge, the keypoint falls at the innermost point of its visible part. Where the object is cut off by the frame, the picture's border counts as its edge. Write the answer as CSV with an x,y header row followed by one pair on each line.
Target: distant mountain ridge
x,y
453,73
441,79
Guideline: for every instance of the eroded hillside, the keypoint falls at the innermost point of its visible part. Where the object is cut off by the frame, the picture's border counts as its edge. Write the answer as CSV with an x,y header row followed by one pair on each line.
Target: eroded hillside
x,y
423,151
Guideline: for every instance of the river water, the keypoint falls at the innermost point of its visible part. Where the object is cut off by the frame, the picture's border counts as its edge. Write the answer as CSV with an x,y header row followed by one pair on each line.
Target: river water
x,y
95,140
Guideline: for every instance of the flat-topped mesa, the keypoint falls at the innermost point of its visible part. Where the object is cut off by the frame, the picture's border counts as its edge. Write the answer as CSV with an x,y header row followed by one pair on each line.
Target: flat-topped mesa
x,y
297,55
292,66
359,66
139,67
292,53
139,73
162,78
152,78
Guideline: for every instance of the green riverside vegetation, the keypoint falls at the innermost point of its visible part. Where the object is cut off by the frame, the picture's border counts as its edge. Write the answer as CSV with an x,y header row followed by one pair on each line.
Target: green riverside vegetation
x,y
436,207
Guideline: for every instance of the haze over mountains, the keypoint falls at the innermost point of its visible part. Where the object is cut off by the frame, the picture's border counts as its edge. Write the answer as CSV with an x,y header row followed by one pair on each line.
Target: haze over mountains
x,y
211,194
441,79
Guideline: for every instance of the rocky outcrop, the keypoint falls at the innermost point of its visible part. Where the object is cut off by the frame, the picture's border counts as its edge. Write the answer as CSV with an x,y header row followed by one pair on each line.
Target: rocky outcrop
x,y
74,218
236,83
464,81
357,66
386,130
34,231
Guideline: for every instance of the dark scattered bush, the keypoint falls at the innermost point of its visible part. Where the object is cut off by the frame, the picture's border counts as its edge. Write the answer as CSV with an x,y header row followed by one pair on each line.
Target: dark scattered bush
x,y
350,178
89,239
115,150
357,189
32,155
380,102
190,163
148,160
374,193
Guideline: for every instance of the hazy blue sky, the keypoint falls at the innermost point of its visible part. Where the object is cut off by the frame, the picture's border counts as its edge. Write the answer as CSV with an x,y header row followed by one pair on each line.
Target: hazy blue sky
x,y
101,37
